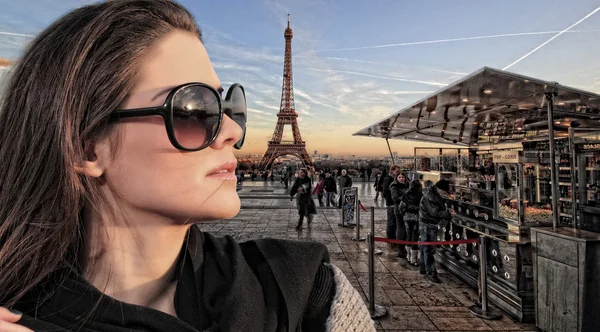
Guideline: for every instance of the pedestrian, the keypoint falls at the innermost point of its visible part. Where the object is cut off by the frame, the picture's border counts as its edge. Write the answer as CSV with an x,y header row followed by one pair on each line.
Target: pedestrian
x,y
378,186
320,189
369,172
285,178
389,203
432,212
330,190
345,182
397,189
302,189
133,145
409,207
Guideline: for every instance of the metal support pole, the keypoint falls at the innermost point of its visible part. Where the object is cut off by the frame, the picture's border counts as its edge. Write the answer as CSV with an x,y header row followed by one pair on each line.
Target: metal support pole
x,y
483,312
390,149
357,235
574,190
368,250
375,310
553,171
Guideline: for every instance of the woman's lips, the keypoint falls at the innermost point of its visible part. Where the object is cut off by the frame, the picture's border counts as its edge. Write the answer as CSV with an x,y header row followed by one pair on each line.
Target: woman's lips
x,y
224,172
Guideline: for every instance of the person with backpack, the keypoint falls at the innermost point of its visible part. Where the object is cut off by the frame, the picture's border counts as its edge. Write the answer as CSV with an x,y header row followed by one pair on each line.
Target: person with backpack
x,y
432,212
409,209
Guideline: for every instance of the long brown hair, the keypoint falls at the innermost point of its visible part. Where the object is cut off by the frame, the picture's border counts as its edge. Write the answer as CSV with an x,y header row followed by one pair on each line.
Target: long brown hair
x,y
59,95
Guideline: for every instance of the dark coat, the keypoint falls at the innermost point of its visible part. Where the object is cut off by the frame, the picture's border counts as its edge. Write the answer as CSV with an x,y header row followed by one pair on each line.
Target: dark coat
x,y
330,185
306,205
386,192
410,201
432,209
397,191
345,181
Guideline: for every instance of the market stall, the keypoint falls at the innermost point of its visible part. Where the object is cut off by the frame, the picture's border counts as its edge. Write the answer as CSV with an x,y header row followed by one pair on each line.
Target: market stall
x,y
511,163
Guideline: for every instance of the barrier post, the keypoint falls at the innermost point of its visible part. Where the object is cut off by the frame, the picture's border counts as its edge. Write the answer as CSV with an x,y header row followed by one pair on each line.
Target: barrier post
x,y
368,250
375,310
357,235
483,312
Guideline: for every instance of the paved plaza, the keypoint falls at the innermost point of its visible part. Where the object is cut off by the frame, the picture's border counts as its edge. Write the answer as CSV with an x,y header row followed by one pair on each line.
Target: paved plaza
x,y
414,304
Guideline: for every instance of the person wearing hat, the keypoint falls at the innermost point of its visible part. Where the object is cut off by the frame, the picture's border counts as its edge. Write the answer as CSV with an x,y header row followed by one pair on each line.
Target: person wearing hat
x,y
432,211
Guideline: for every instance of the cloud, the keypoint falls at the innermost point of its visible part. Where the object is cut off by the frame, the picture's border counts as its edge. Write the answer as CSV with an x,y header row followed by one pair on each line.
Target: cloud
x,y
311,99
235,66
380,77
397,92
393,65
14,34
252,110
265,105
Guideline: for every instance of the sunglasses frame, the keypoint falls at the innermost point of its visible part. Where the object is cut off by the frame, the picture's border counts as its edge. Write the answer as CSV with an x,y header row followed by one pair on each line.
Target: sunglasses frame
x,y
166,111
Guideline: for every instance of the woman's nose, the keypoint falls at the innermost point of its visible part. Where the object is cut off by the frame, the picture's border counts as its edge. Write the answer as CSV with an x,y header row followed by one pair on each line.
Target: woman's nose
x,y
229,134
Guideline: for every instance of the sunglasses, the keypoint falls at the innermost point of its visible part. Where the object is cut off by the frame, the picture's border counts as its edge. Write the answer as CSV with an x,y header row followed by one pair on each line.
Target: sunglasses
x,y
193,114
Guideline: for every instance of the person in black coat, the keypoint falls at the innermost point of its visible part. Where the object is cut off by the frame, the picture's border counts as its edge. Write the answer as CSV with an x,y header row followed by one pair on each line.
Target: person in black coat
x,y
345,182
378,186
302,189
432,212
389,202
330,189
409,209
397,189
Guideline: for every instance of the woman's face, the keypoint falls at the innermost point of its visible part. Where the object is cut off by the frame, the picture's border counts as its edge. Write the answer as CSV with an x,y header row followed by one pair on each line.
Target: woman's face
x,y
401,178
148,174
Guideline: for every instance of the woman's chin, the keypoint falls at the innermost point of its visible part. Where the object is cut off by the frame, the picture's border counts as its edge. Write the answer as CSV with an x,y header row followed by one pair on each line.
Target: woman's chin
x,y
224,209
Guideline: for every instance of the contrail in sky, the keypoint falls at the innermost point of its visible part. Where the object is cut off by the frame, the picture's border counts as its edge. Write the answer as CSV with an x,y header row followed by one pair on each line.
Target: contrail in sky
x,y
6,33
395,65
452,40
551,39
380,77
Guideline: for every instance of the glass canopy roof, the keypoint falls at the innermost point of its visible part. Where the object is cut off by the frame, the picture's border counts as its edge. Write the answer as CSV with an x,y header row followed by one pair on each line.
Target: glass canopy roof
x,y
490,106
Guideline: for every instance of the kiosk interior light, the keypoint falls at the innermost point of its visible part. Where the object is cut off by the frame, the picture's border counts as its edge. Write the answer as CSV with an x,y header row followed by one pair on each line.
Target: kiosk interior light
x,y
487,91
465,100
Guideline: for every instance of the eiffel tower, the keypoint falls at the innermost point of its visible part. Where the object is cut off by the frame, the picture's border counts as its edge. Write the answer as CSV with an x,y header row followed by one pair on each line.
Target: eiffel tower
x,y
287,116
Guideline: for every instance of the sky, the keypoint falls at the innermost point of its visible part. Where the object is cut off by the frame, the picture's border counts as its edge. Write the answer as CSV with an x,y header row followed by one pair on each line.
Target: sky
x,y
356,62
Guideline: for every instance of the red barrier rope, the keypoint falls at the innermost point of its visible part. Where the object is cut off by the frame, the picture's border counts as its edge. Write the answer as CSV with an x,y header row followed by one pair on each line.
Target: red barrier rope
x,y
362,206
383,239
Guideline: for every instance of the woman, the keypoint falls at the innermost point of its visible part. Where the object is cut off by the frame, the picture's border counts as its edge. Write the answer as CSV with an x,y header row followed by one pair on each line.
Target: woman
x,y
115,140
302,189
409,208
397,189
320,188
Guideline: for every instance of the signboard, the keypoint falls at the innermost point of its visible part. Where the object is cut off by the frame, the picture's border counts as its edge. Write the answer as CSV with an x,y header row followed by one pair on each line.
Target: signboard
x,y
505,157
349,205
588,146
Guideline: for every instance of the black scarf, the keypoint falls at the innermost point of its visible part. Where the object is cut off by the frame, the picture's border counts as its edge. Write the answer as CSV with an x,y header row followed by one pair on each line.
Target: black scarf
x,y
261,285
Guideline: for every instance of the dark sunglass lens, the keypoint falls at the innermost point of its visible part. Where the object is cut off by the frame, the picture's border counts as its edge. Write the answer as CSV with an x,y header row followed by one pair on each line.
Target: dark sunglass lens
x,y
195,116
238,102
238,112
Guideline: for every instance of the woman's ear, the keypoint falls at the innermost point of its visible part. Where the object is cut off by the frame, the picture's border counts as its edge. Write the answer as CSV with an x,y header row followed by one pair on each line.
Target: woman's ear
x,y
96,158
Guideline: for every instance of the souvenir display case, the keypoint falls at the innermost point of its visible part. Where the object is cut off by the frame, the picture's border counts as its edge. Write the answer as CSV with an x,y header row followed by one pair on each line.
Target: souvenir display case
x,y
485,192
588,185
